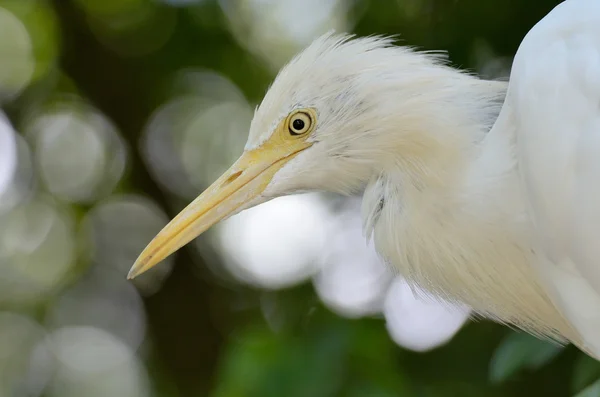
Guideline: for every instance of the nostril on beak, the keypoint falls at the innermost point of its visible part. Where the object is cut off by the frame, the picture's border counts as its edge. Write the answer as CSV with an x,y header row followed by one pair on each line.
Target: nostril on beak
x,y
232,178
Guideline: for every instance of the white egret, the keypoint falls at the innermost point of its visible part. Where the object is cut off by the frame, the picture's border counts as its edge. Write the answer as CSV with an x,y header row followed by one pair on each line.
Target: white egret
x,y
489,204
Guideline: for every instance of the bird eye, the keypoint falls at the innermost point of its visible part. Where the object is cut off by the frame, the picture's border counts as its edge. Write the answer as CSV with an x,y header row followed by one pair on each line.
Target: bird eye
x,y
300,123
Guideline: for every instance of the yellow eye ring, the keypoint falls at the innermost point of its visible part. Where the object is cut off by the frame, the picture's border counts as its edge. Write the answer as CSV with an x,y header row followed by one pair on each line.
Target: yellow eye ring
x,y
300,123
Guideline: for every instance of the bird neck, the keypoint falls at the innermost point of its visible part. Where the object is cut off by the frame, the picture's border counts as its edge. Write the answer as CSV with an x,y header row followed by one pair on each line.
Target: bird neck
x,y
428,157
451,220
437,138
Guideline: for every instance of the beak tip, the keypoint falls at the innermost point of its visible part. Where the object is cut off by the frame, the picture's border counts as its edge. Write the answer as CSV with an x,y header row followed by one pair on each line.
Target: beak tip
x,y
132,273
137,269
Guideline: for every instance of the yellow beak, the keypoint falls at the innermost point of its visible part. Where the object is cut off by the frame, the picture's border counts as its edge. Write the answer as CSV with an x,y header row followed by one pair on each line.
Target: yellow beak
x,y
239,187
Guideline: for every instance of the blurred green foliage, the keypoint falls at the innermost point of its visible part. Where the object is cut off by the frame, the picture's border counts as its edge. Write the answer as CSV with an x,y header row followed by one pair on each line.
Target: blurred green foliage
x,y
209,338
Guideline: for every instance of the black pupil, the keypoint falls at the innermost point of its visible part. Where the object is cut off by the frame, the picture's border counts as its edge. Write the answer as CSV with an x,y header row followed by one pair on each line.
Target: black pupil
x,y
298,125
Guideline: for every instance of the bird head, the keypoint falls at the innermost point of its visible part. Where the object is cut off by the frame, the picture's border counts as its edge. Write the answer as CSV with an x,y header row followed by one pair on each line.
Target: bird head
x,y
336,115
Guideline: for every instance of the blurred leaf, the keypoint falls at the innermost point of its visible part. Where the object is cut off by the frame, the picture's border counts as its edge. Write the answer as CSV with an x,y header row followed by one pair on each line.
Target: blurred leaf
x,y
456,389
585,371
263,364
326,356
591,391
370,390
519,351
373,368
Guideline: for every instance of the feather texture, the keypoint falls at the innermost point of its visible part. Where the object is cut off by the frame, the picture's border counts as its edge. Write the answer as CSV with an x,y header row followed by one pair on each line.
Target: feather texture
x,y
441,200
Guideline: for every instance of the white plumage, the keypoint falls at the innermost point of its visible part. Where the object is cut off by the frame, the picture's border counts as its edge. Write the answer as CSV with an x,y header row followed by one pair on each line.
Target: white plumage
x,y
491,204
553,109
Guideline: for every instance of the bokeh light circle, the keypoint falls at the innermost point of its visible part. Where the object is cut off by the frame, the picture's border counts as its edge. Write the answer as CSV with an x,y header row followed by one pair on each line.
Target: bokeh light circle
x,y
417,320
193,138
130,27
276,244
352,280
218,131
22,185
275,30
80,155
8,154
103,299
37,250
16,52
25,363
92,362
119,228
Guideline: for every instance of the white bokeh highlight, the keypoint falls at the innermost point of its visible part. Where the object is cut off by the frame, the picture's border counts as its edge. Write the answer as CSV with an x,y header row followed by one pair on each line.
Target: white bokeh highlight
x,y
352,280
419,322
275,30
8,154
276,244
93,363
287,240
21,186
80,155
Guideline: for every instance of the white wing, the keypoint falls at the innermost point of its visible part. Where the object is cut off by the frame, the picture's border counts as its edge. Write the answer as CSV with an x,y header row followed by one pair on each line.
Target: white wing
x,y
554,99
